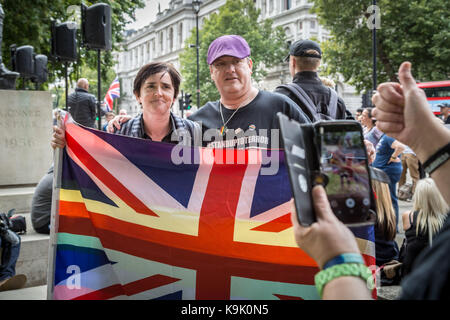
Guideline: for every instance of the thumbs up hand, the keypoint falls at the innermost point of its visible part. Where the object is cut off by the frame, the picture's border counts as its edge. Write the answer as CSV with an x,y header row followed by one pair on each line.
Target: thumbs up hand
x,y
402,110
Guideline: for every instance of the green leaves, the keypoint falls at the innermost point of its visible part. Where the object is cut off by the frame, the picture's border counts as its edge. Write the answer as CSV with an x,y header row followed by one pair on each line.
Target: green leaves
x,y
414,30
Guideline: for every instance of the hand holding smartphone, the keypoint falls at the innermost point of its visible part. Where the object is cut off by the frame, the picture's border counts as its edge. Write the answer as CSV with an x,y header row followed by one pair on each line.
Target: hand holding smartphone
x,y
331,153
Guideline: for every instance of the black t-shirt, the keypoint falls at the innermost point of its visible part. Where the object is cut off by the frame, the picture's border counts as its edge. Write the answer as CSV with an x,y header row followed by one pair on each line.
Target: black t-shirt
x,y
253,125
430,278
414,244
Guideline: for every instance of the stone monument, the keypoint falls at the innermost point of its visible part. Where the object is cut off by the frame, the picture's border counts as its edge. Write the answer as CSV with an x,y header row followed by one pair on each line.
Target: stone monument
x,y
25,151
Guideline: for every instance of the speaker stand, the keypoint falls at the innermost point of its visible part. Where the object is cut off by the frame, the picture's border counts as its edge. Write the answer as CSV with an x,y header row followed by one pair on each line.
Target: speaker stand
x,y
67,88
99,89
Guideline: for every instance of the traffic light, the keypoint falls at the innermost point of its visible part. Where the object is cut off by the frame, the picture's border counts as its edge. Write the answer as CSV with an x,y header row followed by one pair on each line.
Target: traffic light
x,y
187,101
181,102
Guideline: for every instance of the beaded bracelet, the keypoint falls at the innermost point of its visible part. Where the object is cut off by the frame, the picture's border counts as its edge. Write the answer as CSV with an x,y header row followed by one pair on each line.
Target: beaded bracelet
x,y
342,270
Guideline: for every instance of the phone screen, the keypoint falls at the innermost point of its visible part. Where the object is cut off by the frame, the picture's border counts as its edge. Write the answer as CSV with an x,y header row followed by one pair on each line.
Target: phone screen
x,y
343,160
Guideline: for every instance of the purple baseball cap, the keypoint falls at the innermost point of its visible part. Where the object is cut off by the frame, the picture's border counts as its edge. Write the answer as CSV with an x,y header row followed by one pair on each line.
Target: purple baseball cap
x,y
229,45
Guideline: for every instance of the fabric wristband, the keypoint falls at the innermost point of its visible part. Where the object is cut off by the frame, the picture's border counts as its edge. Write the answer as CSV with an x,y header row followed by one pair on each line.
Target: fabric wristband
x,y
343,270
344,258
437,159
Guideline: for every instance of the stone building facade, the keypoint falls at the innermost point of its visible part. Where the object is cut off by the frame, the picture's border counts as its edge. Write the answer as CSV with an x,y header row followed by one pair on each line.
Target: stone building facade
x,y
163,40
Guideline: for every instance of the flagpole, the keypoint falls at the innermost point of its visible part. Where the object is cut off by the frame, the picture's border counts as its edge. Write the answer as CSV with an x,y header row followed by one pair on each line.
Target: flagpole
x,y
54,216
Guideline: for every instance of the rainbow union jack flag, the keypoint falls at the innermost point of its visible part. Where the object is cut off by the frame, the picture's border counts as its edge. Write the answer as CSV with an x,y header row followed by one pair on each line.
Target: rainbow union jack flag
x,y
113,93
133,225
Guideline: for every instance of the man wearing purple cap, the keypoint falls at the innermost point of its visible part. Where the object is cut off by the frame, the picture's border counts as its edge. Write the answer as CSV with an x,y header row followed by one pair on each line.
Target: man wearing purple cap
x,y
244,116
318,101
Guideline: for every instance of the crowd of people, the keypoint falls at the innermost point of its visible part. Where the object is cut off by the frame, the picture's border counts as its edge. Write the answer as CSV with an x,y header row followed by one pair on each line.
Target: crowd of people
x,y
390,136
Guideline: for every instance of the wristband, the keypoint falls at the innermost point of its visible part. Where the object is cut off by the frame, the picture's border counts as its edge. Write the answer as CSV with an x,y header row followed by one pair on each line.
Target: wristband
x,y
343,270
344,258
437,159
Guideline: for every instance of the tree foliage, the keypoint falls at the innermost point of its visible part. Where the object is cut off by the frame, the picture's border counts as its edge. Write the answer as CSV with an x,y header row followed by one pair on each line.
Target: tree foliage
x,y
413,30
29,23
240,17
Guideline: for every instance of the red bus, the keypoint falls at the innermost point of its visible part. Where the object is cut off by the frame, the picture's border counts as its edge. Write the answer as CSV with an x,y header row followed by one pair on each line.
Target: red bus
x,y
437,92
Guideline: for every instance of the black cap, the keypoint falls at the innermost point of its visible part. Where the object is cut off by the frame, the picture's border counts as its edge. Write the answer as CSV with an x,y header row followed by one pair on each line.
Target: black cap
x,y
299,48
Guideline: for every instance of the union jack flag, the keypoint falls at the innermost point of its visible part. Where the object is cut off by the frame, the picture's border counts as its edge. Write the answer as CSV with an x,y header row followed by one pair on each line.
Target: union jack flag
x,y
134,225
113,93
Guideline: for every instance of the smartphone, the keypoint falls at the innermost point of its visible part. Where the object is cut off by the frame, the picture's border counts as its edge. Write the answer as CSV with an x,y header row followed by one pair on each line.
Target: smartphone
x,y
343,160
333,154
300,165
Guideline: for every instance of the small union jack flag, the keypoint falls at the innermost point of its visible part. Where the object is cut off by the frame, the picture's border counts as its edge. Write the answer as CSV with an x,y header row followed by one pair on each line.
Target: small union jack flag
x,y
113,93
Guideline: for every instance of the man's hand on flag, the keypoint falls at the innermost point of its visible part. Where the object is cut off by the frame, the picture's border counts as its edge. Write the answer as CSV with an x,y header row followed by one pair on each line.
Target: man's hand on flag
x,y
58,138
115,123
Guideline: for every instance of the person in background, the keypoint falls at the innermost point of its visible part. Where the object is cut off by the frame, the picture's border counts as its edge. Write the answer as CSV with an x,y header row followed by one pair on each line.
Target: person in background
x,y
411,163
328,82
41,203
108,116
304,58
423,222
387,159
358,114
82,105
371,132
123,112
445,112
386,249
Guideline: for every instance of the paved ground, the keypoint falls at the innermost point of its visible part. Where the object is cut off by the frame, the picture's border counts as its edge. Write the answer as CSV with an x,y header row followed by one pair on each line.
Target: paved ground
x,y
33,293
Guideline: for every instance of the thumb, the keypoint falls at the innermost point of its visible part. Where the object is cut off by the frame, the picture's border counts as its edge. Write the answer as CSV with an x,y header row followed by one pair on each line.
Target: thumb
x,y
406,79
321,204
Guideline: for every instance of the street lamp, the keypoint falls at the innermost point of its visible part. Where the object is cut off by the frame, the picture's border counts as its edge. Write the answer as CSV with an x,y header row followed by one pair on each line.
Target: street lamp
x,y
196,7
374,52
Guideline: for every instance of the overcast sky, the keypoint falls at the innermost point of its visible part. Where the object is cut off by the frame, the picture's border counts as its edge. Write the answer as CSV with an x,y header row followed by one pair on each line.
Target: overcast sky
x,y
148,14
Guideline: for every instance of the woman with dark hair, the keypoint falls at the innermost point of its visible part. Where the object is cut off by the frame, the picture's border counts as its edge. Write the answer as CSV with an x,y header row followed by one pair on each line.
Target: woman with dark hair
x,y
156,88
371,132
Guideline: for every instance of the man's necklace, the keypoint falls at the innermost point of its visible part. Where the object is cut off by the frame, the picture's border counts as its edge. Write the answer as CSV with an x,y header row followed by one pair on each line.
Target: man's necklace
x,y
224,128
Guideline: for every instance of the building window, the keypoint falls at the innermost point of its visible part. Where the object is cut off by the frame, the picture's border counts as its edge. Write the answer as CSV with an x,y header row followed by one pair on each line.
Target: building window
x,y
313,25
288,33
300,25
161,43
287,4
180,35
270,6
170,39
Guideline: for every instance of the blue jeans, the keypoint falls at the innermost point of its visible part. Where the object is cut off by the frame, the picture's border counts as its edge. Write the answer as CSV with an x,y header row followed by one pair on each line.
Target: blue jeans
x,y
394,177
10,254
